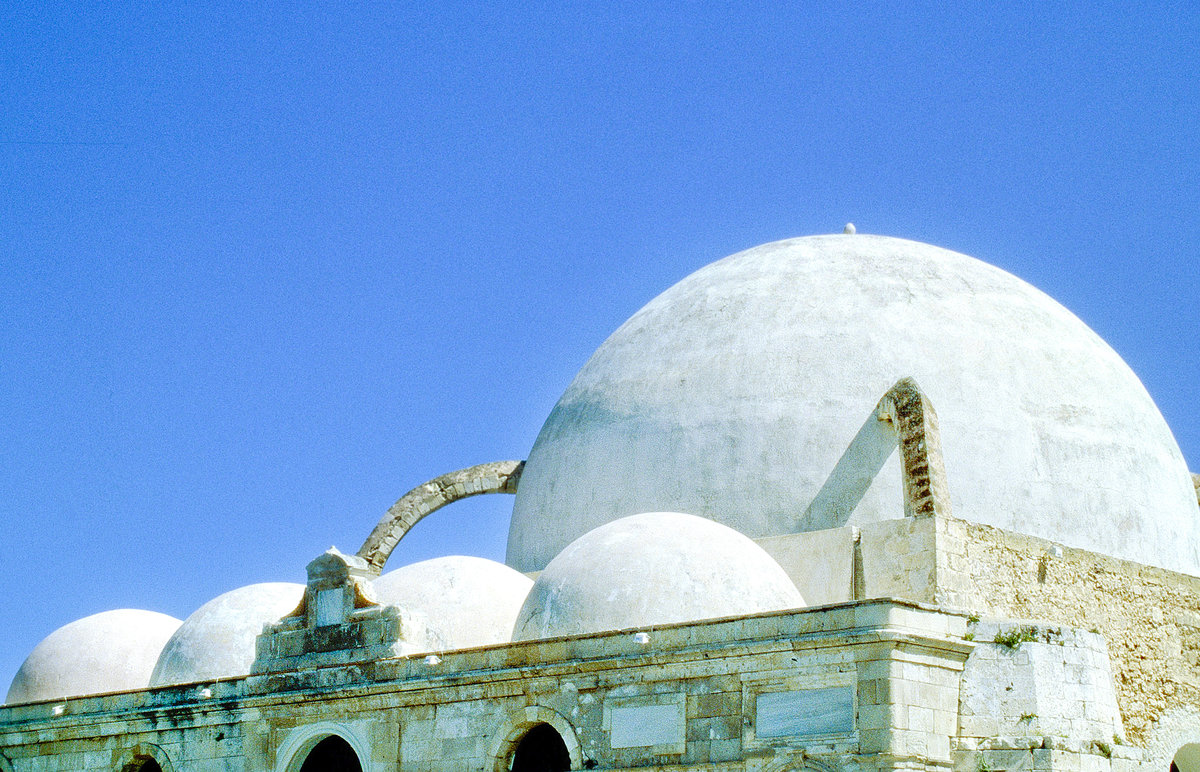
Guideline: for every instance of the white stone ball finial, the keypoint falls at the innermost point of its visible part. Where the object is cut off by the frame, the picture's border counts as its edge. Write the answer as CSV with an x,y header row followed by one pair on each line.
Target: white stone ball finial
x,y
849,229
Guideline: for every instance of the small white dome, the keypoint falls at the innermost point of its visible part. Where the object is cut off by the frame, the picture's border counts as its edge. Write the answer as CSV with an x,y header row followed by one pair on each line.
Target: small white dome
x,y
466,601
217,640
655,568
111,651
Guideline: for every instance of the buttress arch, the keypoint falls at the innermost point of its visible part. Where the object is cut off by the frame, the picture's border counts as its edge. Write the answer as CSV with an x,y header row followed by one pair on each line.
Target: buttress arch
x,y
427,498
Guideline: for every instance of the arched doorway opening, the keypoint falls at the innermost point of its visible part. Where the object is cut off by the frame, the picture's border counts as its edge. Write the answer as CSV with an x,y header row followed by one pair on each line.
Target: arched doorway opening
x,y
143,764
142,758
541,750
333,754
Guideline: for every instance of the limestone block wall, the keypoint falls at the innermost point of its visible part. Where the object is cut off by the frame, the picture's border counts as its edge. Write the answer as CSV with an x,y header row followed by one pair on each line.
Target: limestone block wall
x,y
1031,681
1149,617
856,688
111,731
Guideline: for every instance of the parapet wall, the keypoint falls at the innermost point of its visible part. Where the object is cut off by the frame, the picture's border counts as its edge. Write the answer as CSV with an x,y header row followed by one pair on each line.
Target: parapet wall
x,y
856,687
1150,617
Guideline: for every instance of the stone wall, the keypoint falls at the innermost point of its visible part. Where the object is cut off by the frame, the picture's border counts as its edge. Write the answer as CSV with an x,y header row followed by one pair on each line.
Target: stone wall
x,y
1150,617
861,687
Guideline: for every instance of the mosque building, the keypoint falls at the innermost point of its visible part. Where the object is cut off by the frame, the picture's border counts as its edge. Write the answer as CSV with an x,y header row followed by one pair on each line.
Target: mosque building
x,y
840,503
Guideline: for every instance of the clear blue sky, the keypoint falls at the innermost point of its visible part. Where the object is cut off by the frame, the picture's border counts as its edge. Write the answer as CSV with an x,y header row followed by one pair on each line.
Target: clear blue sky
x,y
262,271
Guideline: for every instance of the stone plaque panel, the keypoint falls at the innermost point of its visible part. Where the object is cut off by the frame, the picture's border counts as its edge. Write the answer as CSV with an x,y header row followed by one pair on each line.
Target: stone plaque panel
x,y
658,722
805,712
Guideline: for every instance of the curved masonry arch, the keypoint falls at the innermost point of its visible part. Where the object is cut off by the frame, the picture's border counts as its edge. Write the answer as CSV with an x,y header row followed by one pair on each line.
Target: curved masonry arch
x,y
517,723
133,759
425,499
799,762
905,407
1174,730
299,742
919,437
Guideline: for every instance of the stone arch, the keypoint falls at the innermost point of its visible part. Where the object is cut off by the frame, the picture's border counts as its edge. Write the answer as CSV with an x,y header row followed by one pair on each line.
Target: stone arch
x,y
904,418
138,757
425,499
1172,732
799,762
299,742
518,723
919,436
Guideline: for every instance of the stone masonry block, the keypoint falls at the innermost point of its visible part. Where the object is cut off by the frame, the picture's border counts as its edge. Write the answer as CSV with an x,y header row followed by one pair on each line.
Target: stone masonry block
x,y
725,750
719,704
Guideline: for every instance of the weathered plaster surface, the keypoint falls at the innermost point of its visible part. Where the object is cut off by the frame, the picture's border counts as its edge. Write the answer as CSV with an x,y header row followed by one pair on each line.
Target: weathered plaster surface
x,y
738,392
217,640
467,601
651,569
109,651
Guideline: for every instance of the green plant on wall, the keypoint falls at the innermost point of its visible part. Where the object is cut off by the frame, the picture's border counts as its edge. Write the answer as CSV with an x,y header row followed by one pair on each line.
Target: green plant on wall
x,y
1015,636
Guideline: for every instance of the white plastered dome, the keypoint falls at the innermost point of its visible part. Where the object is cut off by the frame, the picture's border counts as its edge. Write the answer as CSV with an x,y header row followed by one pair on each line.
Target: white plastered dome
x,y
735,393
654,568
218,639
466,601
107,652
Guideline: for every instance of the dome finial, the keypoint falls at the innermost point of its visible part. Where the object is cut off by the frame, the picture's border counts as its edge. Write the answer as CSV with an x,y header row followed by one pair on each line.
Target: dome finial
x,y
849,229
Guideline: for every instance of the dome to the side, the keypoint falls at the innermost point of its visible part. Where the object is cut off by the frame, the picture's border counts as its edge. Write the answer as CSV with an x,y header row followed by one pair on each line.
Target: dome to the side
x,y
466,601
111,651
736,393
654,568
217,639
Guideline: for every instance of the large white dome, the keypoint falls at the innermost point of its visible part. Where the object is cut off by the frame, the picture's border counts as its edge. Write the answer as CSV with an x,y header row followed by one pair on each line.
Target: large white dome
x,y
218,639
734,394
466,601
655,568
111,651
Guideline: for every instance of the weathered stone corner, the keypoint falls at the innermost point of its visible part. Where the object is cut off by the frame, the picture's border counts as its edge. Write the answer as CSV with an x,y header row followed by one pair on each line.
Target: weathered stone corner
x,y
337,622
337,585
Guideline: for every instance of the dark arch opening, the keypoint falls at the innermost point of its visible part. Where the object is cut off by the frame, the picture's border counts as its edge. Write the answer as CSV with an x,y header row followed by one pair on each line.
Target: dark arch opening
x,y
541,750
333,754
143,764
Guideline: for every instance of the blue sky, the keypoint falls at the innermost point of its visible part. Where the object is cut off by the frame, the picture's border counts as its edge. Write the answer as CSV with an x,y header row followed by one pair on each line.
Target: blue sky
x,y
264,269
